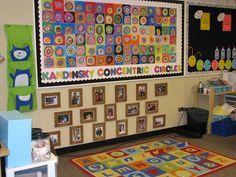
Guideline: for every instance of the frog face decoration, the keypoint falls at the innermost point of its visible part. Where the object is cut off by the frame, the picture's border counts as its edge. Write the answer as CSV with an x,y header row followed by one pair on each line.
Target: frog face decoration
x,y
20,54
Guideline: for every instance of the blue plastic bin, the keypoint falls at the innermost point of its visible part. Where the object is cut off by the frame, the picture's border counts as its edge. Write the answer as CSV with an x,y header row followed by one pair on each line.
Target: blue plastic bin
x,y
225,127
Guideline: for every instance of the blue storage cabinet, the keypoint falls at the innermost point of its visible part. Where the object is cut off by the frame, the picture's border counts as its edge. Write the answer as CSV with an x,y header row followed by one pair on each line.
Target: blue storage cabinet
x,y
15,133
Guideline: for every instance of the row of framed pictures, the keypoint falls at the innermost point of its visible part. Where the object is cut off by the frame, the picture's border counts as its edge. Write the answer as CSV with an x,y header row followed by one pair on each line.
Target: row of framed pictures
x,y
53,100
65,118
99,129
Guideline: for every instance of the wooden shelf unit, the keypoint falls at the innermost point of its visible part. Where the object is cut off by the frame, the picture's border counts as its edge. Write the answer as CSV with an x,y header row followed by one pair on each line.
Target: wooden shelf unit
x,y
211,103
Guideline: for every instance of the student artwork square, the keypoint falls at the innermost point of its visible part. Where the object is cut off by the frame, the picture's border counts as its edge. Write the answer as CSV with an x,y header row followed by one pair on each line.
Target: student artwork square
x,y
90,41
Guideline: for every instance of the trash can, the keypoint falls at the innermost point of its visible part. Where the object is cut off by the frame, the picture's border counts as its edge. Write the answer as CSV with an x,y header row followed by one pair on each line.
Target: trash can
x,y
197,120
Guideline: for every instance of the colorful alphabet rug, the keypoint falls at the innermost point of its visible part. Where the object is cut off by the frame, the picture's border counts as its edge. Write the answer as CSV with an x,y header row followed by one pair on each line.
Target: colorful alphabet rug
x,y
165,158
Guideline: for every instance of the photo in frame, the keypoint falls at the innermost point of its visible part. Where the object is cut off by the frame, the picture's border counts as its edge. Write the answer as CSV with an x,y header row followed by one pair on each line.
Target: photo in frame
x,y
98,95
141,124
121,127
151,107
161,89
99,131
132,109
63,118
75,98
51,100
110,112
121,93
141,91
76,134
88,115
55,138
159,121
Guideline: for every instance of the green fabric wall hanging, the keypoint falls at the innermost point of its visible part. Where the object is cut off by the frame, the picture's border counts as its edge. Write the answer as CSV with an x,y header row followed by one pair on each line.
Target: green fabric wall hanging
x,y
21,75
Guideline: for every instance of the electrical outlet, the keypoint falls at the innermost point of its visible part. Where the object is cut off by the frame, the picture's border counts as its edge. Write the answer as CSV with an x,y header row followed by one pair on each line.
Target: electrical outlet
x,y
180,109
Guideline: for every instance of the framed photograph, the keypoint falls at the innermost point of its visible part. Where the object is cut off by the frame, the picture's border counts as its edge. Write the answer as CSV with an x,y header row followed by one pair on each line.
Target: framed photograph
x,y
161,89
99,131
75,98
55,138
88,115
132,109
159,121
51,100
141,124
98,95
76,134
110,112
121,127
120,93
151,107
141,91
63,118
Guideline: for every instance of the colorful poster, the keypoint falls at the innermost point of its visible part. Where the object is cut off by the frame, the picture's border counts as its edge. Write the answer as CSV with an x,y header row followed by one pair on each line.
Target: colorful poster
x,y
93,41
211,42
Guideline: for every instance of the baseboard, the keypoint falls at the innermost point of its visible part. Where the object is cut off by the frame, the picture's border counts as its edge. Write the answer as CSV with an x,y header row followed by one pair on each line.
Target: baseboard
x,y
115,140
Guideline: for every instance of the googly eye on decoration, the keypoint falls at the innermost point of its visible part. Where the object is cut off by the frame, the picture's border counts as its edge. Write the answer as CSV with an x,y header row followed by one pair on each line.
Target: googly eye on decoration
x,y
192,58
20,54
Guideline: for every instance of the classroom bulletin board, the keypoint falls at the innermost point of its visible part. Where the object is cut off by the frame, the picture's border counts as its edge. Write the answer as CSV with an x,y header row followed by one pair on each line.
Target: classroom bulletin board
x,y
92,41
211,38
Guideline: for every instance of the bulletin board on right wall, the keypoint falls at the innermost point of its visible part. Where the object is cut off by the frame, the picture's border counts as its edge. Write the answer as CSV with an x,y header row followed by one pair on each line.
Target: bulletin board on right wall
x,y
211,38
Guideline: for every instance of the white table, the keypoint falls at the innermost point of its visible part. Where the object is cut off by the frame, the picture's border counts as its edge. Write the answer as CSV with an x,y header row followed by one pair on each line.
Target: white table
x,y
49,164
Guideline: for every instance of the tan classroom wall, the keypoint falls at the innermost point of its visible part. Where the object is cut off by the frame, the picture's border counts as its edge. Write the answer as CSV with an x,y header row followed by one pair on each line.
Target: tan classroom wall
x,y
180,89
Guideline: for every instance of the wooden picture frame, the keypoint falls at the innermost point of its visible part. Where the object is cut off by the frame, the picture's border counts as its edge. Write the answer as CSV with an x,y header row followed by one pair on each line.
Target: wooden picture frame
x,y
98,95
99,131
63,118
120,93
161,89
121,127
159,121
76,134
88,115
132,109
141,91
151,107
75,97
55,138
110,112
51,100
141,124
